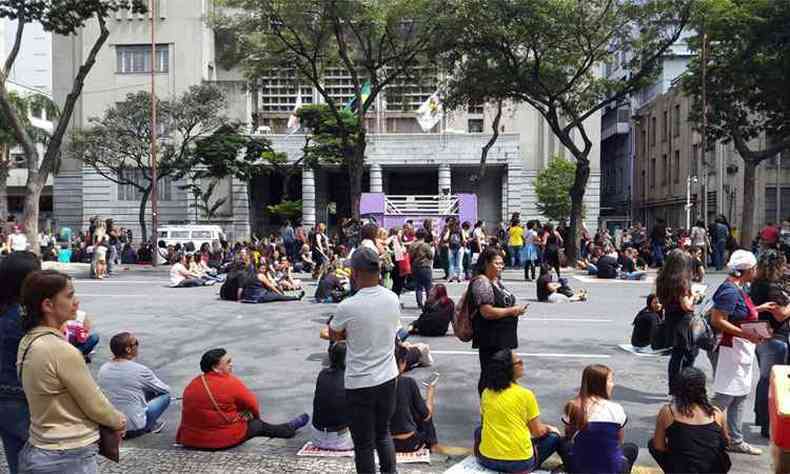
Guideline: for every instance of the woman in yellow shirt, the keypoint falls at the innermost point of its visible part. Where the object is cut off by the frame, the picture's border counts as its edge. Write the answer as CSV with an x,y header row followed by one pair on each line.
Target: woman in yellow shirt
x,y
512,438
515,241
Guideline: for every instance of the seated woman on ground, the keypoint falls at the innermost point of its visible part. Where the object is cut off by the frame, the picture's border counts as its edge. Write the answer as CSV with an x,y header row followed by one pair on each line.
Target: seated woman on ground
x,y
629,269
436,314
331,415
594,427
551,289
181,277
305,261
330,287
284,276
588,263
647,331
513,438
220,412
196,269
412,425
691,434
261,288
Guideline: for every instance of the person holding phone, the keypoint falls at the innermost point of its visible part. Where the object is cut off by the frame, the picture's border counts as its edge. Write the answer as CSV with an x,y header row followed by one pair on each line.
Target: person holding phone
x,y
495,312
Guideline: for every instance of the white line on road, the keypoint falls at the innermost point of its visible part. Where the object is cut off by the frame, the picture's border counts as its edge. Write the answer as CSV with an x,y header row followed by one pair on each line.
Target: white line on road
x,y
573,320
81,295
147,282
532,354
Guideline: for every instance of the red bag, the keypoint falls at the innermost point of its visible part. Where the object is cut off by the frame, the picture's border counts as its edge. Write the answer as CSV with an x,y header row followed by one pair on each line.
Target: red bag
x,y
404,265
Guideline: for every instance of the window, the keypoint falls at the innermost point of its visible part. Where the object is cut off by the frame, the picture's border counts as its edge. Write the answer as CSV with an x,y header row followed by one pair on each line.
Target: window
x,y
653,131
653,173
201,234
665,126
644,142
676,122
665,169
475,125
677,166
128,192
644,185
134,59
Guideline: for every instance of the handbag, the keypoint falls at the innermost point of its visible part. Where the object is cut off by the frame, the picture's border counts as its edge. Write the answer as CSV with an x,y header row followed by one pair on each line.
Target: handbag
x,y
109,439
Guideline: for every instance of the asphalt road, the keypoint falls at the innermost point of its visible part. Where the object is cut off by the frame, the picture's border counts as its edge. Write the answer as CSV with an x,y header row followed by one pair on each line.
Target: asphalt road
x,y
277,352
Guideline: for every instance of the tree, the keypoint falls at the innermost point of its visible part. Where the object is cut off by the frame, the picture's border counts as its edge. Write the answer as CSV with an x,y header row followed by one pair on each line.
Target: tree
x,y
746,82
205,206
63,17
375,42
548,54
552,187
117,145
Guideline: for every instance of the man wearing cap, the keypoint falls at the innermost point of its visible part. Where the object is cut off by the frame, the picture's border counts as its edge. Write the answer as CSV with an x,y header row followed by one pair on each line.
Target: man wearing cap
x,y
734,363
368,322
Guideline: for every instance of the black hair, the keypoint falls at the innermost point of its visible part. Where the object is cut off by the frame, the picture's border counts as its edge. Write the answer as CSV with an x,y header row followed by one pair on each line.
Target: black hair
x,y
488,255
369,231
478,224
13,271
421,234
211,358
37,287
337,356
650,298
119,343
688,390
500,371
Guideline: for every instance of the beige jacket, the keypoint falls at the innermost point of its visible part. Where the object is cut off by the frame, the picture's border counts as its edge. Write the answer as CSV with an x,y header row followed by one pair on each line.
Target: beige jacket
x,y
66,405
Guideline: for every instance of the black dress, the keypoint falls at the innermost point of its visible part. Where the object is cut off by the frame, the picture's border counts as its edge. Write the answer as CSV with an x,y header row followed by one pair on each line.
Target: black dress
x,y
435,319
693,449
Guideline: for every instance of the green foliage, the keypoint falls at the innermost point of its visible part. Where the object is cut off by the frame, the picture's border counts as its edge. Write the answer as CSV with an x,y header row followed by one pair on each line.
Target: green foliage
x,y
331,141
747,73
286,209
552,187
206,205
228,152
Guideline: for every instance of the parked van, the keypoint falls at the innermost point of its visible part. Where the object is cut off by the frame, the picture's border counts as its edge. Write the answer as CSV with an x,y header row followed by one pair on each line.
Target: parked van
x,y
197,234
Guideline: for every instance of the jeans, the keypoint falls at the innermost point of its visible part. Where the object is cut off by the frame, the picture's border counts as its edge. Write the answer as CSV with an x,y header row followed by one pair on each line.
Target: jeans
x,y
515,256
16,422
592,269
633,275
543,448
456,258
371,409
34,460
679,360
529,270
734,407
156,406
658,254
87,346
423,277
189,283
260,295
719,247
769,353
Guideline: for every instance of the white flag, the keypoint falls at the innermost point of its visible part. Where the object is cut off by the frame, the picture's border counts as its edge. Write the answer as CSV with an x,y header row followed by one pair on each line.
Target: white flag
x,y
430,112
293,120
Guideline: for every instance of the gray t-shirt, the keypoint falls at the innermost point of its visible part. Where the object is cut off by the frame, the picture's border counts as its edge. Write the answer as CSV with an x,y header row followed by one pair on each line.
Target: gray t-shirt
x,y
126,384
370,318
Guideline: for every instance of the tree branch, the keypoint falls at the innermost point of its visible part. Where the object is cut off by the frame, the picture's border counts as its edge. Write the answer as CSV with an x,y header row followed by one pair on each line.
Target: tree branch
x,y
11,59
484,153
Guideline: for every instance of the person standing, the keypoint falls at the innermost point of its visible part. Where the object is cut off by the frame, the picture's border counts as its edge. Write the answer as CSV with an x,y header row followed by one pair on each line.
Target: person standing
x,y
553,244
17,242
719,235
699,239
515,241
421,254
289,238
371,371
658,237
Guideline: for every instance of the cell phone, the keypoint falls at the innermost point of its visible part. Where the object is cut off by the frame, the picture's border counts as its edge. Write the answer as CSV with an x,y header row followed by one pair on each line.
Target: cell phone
x,y
432,381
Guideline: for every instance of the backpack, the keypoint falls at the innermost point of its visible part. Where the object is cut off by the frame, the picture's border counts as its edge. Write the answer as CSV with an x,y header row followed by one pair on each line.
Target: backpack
x,y
462,318
700,329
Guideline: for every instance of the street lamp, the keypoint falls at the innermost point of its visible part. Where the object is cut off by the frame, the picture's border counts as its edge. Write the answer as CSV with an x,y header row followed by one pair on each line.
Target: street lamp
x,y
689,180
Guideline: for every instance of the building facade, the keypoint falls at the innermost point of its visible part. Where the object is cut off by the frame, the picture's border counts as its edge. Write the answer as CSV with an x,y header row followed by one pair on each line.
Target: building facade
x,y
669,165
400,157
33,65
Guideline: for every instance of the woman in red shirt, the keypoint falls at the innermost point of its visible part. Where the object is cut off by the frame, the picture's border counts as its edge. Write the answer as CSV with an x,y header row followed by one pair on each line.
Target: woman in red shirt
x,y
221,412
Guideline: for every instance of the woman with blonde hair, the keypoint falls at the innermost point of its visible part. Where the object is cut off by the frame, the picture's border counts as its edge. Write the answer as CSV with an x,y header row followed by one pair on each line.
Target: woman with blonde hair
x,y
594,426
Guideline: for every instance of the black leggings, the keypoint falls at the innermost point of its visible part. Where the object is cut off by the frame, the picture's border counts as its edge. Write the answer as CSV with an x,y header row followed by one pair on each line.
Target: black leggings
x,y
425,436
257,427
529,269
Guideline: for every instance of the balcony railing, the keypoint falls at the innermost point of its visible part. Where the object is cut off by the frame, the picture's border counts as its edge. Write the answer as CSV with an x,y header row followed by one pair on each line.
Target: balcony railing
x,y
433,205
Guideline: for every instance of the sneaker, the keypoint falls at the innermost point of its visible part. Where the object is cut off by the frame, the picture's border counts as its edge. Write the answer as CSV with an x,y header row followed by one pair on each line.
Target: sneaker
x,y
158,427
744,448
299,421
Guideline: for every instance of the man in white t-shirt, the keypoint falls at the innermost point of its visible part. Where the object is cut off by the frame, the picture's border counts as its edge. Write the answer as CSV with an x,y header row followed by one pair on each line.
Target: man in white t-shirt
x,y
17,241
368,322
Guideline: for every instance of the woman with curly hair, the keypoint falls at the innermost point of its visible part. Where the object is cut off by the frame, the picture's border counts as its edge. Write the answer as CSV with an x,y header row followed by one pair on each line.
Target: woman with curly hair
x,y
766,288
690,435
673,288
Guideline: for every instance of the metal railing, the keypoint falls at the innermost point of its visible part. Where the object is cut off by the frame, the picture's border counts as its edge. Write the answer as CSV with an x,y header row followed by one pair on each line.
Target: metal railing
x,y
416,204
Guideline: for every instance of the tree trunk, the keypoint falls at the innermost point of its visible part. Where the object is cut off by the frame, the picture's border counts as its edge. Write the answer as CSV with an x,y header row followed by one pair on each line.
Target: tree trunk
x,y
141,217
487,147
250,208
747,224
356,169
30,216
577,208
5,171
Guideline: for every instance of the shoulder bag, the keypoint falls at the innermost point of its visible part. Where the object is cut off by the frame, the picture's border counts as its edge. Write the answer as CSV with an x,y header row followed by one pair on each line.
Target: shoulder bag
x,y
109,439
214,402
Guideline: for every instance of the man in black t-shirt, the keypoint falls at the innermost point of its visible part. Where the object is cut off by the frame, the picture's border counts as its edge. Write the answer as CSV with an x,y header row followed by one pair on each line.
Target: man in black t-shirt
x,y
608,267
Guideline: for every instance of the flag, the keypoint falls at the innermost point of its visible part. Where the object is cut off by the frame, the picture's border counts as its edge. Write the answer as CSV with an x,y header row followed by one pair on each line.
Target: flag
x,y
430,112
364,93
293,120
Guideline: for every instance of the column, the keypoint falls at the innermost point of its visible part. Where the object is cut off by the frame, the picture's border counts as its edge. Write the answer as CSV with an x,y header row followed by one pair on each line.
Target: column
x,y
445,178
376,180
308,197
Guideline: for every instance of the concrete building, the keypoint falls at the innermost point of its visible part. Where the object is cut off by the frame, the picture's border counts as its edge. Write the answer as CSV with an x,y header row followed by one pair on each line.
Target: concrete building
x,y
617,139
33,66
401,159
668,159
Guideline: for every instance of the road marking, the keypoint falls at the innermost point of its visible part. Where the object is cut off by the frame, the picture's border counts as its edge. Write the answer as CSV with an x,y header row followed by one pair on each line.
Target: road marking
x,y
81,295
532,354
527,318
592,279
147,282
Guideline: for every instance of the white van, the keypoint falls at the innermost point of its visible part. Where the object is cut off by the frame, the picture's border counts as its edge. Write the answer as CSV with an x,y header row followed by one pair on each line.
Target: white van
x,y
197,234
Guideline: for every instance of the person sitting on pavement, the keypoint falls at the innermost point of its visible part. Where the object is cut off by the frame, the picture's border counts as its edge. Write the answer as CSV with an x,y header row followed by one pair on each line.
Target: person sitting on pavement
x,y
331,415
181,277
629,269
594,427
513,438
646,325
78,333
551,289
691,435
133,388
436,314
412,424
608,268
261,288
284,276
203,273
331,288
305,262
13,410
220,412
